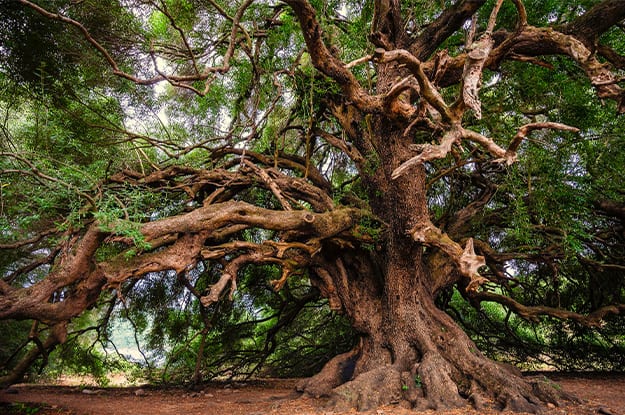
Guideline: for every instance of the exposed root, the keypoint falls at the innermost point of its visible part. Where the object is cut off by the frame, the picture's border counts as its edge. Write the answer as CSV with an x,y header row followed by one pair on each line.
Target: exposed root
x,y
336,372
433,383
517,403
421,374
550,392
411,390
477,398
441,391
370,390
522,394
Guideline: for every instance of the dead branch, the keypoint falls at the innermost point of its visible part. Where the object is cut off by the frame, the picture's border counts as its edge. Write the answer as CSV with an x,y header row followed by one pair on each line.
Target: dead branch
x,y
271,184
477,55
467,262
430,152
509,156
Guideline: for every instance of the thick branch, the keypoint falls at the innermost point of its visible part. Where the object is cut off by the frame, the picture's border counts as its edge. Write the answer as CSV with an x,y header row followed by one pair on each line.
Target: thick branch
x,y
58,334
444,26
545,41
326,62
596,21
611,55
612,208
467,262
73,267
213,217
429,152
529,42
477,56
427,89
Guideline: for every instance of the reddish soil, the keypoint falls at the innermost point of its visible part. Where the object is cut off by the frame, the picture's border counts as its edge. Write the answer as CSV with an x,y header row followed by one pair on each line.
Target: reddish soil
x,y
600,394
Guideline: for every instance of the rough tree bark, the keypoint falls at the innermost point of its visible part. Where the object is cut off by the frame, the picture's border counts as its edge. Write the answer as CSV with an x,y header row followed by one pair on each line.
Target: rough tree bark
x,y
409,351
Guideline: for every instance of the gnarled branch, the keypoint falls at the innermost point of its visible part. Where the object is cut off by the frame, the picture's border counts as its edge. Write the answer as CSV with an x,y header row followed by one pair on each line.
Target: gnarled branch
x,y
466,260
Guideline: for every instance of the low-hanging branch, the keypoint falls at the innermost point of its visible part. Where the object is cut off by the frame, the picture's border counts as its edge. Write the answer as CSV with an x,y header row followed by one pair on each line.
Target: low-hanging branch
x,y
532,313
297,130
194,229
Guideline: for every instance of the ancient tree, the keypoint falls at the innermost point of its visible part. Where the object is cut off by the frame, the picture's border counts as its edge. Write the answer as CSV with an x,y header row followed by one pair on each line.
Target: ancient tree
x,y
369,146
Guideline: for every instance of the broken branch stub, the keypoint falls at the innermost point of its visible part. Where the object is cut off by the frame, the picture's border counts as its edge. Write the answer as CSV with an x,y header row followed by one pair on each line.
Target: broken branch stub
x,y
472,74
216,290
467,261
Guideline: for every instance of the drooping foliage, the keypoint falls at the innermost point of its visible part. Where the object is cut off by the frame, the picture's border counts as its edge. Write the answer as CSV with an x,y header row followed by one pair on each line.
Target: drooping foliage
x,y
252,188
547,210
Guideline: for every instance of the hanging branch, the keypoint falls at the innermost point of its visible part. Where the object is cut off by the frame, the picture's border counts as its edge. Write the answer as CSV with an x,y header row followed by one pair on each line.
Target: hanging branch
x,y
532,313
478,53
182,81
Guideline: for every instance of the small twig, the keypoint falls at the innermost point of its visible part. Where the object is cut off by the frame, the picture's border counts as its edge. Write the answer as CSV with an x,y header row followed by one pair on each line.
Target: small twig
x,y
472,30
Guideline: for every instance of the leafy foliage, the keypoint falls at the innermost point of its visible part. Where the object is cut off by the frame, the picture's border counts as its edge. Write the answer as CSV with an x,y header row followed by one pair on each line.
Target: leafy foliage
x,y
127,115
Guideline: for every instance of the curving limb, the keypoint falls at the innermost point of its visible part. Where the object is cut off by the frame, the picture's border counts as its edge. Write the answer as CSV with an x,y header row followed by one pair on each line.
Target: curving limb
x,y
373,166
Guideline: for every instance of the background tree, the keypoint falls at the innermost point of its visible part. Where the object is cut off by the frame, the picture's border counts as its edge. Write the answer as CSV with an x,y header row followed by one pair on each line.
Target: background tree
x,y
400,158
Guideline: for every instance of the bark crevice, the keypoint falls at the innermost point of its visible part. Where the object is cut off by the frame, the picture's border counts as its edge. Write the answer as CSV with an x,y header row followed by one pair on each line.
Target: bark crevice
x,y
417,357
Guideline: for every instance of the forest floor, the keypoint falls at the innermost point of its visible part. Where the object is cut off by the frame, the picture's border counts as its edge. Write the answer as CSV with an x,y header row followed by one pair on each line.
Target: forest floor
x,y
600,394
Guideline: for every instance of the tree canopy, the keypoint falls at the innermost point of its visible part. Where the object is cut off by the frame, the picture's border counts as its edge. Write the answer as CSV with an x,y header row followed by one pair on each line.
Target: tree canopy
x,y
382,187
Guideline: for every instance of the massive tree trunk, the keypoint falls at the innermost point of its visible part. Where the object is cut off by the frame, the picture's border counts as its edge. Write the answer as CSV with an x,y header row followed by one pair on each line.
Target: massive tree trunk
x,y
410,351
419,356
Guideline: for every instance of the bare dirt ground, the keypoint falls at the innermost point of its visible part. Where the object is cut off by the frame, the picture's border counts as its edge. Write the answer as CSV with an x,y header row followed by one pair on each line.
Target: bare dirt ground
x,y
600,394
